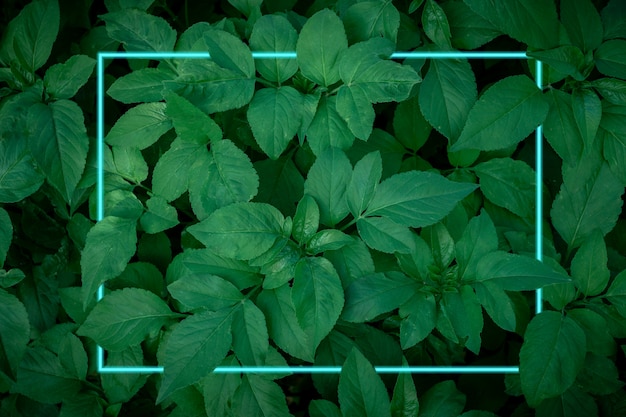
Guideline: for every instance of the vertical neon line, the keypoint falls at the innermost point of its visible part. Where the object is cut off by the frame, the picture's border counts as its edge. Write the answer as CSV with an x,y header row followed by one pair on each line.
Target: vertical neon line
x,y
100,171
539,197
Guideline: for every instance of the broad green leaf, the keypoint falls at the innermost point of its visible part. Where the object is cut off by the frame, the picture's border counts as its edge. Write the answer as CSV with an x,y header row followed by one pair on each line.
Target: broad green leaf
x,y
142,86
63,81
417,199
385,235
435,24
258,396
599,376
124,318
328,239
274,33
190,123
142,275
497,304
404,402
611,134
140,127
479,238
354,107
589,266
552,354
447,94
361,391
371,19
574,402
240,231
159,217
130,163
533,22
617,290
140,31
172,172
612,89
442,399
229,52
14,329
73,357
613,15
409,125
321,41
516,272
6,234
250,337
41,377
196,291
366,64
510,184
19,176
469,30
109,246
218,389
36,29
561,128
587,110
463,310
323,408
327,182
589,198
194,348
419,317
365,178
317,296
375,294
610,58
351,261
275,115
328,129
11,277
565,59
599,340
58,141
84,405
582,22
306,220
505,114
282,323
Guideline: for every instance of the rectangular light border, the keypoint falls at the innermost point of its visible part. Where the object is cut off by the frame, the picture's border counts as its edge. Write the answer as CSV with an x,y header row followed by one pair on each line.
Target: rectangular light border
x,y
291,55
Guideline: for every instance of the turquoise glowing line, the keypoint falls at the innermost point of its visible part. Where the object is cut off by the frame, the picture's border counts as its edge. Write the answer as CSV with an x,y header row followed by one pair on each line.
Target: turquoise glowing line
x,y
329,369
538,190
456,55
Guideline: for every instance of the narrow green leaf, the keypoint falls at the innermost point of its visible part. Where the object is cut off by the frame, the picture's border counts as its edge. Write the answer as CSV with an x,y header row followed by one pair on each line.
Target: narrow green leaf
x,y
194,348
589,266
552,354
385,235
124,318
587,110
611,135
274,33
306,220
140,127
505,114
33,40
561,129
250,337
463,310
435,24
354,107
365,177
404,402
63,81
141,86
612,89
14,329
479,238
140,31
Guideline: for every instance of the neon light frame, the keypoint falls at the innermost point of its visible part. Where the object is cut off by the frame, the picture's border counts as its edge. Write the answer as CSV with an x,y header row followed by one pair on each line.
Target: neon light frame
x,y
291,55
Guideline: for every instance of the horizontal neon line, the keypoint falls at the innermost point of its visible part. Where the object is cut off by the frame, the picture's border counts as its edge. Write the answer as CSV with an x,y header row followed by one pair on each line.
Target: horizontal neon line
x,y
329,369
291,55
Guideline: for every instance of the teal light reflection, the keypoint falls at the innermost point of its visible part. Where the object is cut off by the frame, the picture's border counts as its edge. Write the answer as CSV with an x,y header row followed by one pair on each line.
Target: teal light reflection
x,y
291,55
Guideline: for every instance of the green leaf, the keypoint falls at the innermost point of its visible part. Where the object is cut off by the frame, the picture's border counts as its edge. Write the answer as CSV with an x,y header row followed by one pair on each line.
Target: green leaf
x,y
33,39
109,246
274,33
317,296
6,234
447,94
582,22
617,290
365,177
354,107
505,114
463,310
275,115
178,160
417,199
599,340
599,376
282,323
469,30
404,401
351,261
587,110
613,20
419,317
442,399
327,182
565,59
533,22
258,396
479,238
435,24
321,41
159,217
612,89
58,141
328,239
250,337
196,291
218,389
141,86
73,357
409,126
589,266
371,19
14,329
140,127
611,135
323,408
328,129
84,405
561,129
366,64
124,318
140,31
510,184
610,58
11,277
19,176
63,81
306,220
130,163
375,294
194,348
122,387
229,52
361,391
516,272
247,7
589,198
498,304
190,123
552,354
280,183
240,231
385,235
